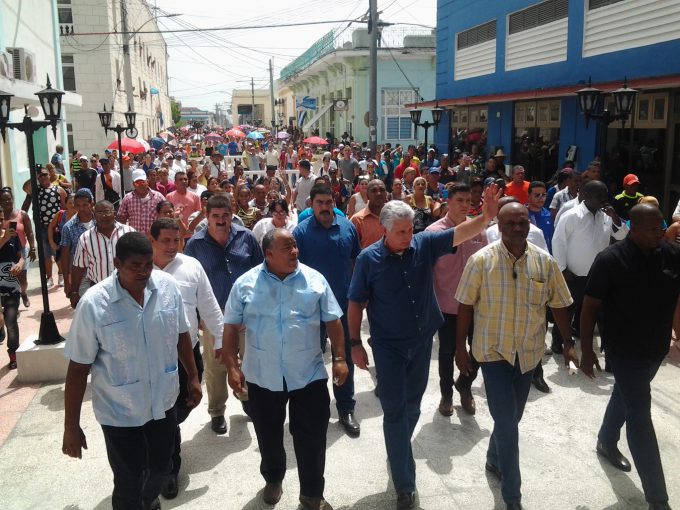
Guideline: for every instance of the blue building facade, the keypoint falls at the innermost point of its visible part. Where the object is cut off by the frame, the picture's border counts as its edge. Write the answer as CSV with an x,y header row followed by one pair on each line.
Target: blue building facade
x,y
507,73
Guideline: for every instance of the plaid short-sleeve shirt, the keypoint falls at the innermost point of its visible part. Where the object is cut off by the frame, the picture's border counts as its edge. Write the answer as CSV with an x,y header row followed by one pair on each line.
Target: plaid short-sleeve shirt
x,y
509,296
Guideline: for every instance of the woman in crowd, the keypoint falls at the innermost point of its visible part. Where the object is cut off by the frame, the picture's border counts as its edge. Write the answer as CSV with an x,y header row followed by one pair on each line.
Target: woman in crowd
x,y
214,185
408,180
280,218
11,266
54,236
427,210
359,200
24,230
397,192
166,209
249,215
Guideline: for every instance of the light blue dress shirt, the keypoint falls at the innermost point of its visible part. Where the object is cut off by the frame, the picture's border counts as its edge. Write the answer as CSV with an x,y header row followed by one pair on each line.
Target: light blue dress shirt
x,y
132,349
282,320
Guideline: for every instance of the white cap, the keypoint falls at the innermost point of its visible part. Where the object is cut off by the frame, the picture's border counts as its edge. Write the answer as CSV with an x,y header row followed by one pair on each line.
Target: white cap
x,y
138,175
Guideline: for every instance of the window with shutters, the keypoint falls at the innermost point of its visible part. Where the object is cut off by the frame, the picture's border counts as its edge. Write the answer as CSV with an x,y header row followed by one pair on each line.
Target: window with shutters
x,y
476,35
538,15
68,71
398,124
596,4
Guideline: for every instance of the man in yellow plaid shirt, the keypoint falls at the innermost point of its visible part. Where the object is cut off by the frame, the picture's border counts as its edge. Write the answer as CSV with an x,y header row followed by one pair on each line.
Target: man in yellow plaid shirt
x,y
507,286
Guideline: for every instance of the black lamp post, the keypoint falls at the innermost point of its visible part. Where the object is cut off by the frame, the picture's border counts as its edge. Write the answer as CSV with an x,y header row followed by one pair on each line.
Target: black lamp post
x,y
588,101
436,117
130,130
50,101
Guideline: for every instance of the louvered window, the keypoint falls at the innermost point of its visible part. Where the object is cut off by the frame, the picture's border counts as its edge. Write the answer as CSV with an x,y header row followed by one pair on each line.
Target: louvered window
x,y
477,35
539,14
596,4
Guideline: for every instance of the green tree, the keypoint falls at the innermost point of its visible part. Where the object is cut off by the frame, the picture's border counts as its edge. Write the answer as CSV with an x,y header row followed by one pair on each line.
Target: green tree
x,y
176,110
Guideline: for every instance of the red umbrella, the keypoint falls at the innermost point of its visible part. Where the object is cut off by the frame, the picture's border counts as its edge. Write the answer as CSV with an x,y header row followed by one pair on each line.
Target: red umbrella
x,y
129,145
316,140
213,137
236,132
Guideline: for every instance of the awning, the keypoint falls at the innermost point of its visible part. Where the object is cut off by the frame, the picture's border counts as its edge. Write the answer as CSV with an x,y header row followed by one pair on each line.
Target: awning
x,y
24,93
570,90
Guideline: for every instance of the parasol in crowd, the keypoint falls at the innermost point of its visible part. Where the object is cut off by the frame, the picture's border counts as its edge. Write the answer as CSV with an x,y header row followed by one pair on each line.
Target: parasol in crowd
x,y
316,140
283,135
213,137
254,135
236,132
130,145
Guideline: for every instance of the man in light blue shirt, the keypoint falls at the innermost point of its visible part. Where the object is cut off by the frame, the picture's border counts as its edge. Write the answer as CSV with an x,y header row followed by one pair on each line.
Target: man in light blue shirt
x,y
282,304
130,329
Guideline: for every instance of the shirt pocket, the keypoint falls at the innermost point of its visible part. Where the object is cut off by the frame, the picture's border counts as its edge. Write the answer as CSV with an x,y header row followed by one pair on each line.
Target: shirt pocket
x,y
120,348
169,335
538,293
188,291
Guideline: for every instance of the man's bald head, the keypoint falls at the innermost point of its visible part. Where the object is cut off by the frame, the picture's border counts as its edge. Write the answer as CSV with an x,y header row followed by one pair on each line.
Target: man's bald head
x,y
508,199
642,213
512,208
513,224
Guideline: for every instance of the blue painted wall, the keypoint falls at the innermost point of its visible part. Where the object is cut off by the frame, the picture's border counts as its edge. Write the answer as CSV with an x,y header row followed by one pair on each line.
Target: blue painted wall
x,y
454,16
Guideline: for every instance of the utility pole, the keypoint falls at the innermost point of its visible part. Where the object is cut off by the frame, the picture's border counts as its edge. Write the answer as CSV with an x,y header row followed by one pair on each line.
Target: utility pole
x,y
373,33
127,64
217,113
271,93
252,101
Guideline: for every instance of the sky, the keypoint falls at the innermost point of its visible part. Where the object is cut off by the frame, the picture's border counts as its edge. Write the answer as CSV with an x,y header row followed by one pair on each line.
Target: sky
x,y
204,67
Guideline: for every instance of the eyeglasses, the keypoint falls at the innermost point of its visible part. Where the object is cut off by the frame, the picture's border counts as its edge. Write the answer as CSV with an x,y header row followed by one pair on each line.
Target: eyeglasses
x,y
6,189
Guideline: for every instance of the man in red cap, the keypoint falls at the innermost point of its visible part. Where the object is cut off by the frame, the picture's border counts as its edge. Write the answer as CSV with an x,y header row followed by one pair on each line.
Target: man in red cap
x,y
624,202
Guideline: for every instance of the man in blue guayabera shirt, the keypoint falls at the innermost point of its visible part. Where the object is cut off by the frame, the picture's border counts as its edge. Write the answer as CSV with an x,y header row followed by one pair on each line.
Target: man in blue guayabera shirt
x,y
130,329
282,304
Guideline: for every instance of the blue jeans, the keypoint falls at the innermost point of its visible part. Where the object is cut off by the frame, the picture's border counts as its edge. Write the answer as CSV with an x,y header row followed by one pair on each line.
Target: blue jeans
x,y
344,395
631,403
507,389
402,370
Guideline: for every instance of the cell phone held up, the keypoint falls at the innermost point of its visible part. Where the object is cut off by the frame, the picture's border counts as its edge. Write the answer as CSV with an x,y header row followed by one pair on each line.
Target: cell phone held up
x,y
13,225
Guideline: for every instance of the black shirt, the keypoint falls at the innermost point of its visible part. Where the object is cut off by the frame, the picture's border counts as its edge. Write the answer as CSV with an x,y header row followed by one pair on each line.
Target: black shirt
x,y
638,294
86,179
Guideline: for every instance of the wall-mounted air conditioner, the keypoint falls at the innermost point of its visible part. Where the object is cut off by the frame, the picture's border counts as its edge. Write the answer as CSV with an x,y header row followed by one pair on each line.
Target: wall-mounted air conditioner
x,y
23,64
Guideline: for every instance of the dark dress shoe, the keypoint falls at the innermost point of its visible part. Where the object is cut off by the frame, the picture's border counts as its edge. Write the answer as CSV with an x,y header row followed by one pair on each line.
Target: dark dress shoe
x,y
314,503
556,348
659,506
468,402
614,456
446,407
406,500
170,487
490,468
514,506
218,424
272,493
540,384
350,424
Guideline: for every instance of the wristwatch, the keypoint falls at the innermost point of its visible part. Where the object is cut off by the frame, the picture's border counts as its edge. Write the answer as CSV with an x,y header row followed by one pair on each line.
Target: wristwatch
x,y
355,341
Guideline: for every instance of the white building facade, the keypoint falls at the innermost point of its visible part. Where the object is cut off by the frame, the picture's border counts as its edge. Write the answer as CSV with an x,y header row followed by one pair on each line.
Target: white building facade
x,y
93,66
29,51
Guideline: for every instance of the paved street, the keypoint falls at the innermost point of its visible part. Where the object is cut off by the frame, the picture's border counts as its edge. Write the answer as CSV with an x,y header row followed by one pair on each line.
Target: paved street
x,y
557,438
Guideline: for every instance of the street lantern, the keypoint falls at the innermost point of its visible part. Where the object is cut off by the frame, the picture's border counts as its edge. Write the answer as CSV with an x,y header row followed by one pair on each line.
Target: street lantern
x,y
105,118
436,118
588,99
130,118
50,101
624,98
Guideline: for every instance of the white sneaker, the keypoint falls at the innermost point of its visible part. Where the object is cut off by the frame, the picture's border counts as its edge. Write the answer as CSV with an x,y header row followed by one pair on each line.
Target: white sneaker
x,y
61,280
50,283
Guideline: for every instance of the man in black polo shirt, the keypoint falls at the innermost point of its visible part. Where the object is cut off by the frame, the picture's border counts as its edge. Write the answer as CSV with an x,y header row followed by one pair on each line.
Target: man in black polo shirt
x,y
620,275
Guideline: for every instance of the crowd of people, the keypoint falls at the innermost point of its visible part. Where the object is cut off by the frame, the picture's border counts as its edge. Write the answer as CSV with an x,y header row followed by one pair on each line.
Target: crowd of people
x,y
242,272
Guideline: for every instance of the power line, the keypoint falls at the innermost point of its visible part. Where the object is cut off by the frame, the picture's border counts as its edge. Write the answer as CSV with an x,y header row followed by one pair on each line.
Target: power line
x,y
220,29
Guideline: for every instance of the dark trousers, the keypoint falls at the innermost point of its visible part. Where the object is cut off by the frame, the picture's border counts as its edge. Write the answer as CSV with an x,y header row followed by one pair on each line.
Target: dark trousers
x,y
577,287
344,395
309,415
507,389
402,370
10,310
181,406
447,353
140,459
631,403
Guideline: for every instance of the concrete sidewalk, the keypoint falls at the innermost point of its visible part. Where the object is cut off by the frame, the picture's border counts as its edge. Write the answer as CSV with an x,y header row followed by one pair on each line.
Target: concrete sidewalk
x,y
557,442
